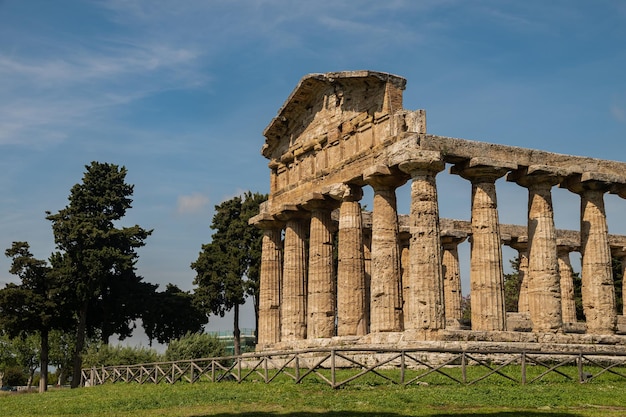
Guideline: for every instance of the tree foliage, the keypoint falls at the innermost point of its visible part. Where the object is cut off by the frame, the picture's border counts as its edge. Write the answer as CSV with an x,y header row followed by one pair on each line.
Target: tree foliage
x,y
227,268
96,258
35,307
99,354
171,314
194,346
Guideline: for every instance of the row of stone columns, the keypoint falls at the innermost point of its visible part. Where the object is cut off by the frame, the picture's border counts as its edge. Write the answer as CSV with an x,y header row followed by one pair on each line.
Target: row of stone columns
x,y
300,298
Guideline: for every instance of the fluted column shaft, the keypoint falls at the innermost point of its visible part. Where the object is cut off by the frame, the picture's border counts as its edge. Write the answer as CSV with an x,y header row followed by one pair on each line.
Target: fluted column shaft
x,y
321,283
566,272
598,291
453,297
544,288
351,291
597,275
424,306
269,284
486,274
293,305
385,288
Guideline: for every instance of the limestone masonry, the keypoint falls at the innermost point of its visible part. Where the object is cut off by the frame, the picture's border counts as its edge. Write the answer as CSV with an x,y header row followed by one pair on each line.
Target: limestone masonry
x,y
397,279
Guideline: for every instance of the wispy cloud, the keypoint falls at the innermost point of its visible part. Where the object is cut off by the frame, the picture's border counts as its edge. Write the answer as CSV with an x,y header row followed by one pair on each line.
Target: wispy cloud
x,y
192,204
47,93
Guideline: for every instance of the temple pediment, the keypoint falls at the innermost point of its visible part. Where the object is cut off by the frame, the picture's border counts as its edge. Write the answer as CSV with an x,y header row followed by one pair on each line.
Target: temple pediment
x,y
321,103
330,119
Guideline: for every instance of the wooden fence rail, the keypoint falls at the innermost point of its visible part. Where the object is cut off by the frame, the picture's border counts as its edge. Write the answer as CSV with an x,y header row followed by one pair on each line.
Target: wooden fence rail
x,y
340,366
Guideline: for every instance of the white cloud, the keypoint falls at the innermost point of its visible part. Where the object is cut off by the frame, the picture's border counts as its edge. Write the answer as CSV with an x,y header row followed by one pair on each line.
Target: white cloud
x,y
191,204
618,113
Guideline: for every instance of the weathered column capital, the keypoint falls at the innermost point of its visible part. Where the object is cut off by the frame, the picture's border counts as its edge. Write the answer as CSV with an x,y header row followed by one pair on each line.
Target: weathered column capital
x,y
265,221
384,177
318,201
344,192
619,189
452,238
421,162
590,181
519,243
482,169
567,246
291,212
537,176
618,252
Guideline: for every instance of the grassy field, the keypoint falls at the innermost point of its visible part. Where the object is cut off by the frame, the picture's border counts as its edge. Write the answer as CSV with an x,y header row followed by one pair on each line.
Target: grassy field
x,y
365,398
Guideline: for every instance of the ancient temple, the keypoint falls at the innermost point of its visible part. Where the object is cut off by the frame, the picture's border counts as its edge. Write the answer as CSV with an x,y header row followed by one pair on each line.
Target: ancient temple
x,y
333,273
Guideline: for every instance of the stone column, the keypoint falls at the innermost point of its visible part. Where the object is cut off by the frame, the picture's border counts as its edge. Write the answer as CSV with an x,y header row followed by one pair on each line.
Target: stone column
x,y
424,289
385,290
367,260
598,290
486,274
293,303
566,272
620,253
452,295
521,246
270,281
544,288
321,279
351,308
404,238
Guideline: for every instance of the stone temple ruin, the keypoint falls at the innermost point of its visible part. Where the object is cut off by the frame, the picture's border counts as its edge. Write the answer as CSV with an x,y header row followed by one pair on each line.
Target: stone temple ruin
x,y
397,278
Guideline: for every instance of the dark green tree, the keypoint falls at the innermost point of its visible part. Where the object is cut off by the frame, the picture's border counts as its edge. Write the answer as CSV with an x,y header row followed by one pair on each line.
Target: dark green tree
x,y
227,269
171,314
34,307
95,255
115,309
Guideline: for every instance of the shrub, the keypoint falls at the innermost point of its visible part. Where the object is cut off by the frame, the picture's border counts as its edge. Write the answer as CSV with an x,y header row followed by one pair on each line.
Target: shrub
x,y
106,355
194,346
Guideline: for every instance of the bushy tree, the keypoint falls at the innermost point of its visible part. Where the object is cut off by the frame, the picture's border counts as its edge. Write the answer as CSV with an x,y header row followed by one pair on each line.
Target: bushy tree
x,y
227,268
95,255
194,346
171,314
7,356
99,354
27,355
62,347
36,306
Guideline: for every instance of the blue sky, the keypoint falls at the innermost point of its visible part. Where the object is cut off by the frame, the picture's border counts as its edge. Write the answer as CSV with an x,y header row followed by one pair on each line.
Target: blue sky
x,y
180,91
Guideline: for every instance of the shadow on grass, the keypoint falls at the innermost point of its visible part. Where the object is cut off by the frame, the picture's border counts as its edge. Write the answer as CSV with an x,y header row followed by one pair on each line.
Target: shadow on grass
x,y
378,414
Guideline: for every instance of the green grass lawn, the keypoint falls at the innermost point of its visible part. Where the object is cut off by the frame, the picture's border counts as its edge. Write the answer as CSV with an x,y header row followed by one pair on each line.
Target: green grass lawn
x,y
366,397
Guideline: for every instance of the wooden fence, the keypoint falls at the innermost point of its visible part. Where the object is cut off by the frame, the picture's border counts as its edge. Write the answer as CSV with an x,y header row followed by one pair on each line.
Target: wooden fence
x,y
340,366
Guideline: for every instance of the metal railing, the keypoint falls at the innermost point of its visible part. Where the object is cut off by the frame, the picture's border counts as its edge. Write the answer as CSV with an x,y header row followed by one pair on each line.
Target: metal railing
x,y
340,366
